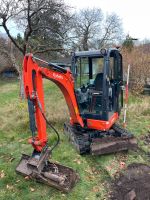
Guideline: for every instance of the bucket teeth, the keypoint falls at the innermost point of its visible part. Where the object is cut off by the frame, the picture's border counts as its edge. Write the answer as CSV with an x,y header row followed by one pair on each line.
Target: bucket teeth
x,y
52,174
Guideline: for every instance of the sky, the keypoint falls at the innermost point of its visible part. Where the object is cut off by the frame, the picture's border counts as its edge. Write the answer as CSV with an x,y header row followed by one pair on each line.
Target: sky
x,y
135,14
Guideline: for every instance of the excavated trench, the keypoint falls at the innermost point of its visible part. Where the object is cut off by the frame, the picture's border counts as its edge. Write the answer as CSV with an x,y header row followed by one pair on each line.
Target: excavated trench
x,y
132,184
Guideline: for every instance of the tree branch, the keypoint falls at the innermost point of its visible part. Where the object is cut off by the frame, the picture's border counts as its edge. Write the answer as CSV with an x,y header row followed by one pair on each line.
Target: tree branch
x,y
47,50
10,37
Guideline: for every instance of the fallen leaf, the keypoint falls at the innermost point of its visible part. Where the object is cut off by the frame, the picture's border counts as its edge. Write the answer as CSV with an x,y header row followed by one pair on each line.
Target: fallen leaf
x,y
90,178
57,162
95,189
89,171
11,159
21,140
77,161
9,187
32,189
2,174
26,177
93,169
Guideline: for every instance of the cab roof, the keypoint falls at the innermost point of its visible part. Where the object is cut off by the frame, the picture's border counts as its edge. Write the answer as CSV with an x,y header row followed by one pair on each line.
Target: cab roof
x,y
93,53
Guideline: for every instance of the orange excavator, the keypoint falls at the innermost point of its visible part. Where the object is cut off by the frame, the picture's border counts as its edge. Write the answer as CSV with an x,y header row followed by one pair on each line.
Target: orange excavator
x,y
93,90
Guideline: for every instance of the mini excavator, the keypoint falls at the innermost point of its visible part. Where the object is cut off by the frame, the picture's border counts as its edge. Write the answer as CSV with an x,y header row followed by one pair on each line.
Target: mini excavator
x,y
93,90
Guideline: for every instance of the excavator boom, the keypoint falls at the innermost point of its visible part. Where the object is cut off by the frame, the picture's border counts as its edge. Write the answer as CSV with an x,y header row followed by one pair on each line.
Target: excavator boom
x,y
33,76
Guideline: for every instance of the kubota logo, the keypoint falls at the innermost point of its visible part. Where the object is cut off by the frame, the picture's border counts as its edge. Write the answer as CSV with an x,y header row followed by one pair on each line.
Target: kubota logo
x,y
57,76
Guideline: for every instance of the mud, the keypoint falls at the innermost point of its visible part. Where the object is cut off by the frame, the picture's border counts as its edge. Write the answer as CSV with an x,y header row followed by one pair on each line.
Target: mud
x,y
133,184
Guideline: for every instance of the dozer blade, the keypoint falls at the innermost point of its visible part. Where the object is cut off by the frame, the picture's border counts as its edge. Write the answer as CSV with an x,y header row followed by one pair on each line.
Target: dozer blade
x,y
52,174
112,145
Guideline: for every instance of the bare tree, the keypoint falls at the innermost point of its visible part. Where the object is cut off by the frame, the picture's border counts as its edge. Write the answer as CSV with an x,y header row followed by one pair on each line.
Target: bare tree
x,y
92,31
86,25
112,30
33,17
39,20
5,59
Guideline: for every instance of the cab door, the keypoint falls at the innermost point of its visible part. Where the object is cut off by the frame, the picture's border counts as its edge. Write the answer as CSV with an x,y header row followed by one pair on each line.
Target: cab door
x,y
116,80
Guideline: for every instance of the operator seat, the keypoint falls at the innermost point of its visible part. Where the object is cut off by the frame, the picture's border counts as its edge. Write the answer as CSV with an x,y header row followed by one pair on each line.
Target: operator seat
x,y
96,94
98,82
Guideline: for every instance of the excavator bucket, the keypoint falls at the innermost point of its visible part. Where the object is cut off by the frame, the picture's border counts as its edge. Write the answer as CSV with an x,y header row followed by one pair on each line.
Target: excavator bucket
x,y
100,142
53,174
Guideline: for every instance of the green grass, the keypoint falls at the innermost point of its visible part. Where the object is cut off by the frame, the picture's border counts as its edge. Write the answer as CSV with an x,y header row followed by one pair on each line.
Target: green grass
x,y
95,172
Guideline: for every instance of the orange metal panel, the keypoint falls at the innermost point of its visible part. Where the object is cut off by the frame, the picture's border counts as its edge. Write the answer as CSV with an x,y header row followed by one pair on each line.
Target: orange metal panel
x,y
100,124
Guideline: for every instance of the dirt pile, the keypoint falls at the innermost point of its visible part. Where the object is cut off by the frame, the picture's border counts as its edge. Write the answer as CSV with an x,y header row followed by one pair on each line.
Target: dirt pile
x,y
133,184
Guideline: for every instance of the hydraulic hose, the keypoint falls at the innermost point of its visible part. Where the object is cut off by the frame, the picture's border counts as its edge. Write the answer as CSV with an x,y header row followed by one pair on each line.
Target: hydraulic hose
x,y
49,124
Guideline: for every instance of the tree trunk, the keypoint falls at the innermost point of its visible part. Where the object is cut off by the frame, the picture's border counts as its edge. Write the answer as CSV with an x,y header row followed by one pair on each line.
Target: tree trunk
x,y
85,42
13,59
22,94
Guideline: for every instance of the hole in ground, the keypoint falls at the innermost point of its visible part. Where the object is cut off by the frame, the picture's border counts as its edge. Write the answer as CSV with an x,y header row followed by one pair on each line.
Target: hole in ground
x,y
133,184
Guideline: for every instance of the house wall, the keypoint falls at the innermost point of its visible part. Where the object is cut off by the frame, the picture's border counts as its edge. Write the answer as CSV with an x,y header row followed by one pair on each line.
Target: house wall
x,y
9,74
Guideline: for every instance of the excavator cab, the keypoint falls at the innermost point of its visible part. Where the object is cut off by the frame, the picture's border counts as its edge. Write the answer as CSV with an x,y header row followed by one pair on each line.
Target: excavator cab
x,y
98,83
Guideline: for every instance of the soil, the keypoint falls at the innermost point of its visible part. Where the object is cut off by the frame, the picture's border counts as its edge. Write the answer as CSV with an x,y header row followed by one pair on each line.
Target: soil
x,y
133,184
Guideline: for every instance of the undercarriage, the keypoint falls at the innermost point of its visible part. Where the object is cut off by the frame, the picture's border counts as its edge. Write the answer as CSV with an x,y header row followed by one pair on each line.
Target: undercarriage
x,y
100,142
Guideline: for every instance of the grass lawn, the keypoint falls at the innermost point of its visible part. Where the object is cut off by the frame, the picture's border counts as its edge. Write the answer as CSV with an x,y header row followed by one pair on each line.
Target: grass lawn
x,y
95,171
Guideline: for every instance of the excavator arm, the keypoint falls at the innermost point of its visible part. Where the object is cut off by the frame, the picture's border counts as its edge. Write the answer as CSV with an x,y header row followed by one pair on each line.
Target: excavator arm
x,y
33,75
37,166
